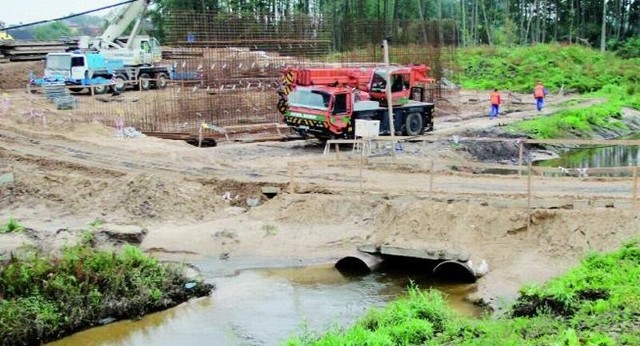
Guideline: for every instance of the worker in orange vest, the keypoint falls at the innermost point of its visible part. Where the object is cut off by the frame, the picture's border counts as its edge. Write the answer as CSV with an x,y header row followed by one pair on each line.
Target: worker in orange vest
x,y
539,92
495,104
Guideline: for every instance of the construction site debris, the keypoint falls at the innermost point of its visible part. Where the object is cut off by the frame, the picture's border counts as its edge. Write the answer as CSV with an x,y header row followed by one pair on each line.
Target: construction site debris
x,y
129,132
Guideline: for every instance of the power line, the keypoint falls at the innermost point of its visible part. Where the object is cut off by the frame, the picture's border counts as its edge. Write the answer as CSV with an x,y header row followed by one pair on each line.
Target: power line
x,y
69,16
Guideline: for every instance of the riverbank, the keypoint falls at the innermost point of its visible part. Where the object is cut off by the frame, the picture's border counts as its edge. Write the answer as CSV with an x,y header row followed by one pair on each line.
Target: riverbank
x,y
597,302
45,297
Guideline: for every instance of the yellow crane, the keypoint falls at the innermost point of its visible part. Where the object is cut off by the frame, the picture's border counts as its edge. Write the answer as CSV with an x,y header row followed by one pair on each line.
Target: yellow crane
x,y
3,35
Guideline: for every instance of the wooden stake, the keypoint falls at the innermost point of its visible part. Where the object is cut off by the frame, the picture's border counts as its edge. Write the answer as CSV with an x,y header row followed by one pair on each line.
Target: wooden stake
x,y
529,199
634,196
520,149
292,173
431,172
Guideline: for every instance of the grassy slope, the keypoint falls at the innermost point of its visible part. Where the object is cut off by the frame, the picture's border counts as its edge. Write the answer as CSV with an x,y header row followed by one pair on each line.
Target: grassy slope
x,y
596,303
572,68
576,68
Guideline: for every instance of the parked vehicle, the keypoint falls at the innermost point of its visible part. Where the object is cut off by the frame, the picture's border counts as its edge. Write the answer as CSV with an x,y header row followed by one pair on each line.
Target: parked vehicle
x,y
325,102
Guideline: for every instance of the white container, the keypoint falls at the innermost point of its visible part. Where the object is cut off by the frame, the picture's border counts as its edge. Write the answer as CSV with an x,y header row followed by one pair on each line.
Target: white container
x,y
367,128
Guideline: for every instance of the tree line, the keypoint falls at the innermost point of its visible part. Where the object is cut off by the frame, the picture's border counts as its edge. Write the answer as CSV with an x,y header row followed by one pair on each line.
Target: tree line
x,y
598,23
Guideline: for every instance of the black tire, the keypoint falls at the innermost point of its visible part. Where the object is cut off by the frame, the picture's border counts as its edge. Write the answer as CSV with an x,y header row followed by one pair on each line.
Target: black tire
x,y
413,125
145,81
161,81
76,90
120,84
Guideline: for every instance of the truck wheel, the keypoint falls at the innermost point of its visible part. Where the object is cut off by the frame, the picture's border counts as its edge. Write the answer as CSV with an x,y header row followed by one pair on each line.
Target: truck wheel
x,y
161,81
145,81
76,90
120,84
413,124
100,89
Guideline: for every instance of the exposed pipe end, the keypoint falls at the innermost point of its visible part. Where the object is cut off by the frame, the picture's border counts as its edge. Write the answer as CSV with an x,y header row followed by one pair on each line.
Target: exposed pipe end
x,y
358,264
455,271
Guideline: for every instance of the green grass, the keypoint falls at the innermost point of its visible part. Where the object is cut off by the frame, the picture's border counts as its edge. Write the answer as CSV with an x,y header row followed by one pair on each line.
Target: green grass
x,y
44,298
11,226
578,122
596,303
574,68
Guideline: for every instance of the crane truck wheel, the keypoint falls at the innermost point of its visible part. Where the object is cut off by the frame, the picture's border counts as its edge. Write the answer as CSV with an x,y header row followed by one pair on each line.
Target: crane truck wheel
x,y
161,81
120,83
100,89
413,124
145,81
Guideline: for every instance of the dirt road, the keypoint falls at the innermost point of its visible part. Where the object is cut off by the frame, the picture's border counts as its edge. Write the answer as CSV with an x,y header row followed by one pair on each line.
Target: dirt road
x,y
194,201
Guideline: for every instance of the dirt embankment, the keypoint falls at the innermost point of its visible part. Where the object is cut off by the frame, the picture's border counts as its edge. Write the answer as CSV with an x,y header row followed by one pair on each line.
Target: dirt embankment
x,y
15,75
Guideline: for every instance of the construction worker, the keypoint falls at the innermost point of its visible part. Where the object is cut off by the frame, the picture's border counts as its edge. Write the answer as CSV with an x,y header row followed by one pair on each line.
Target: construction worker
x,y
495,104
539,92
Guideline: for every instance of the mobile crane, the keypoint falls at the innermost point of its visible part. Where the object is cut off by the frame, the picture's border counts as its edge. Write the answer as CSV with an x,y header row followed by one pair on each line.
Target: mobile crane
x,y
325,102
110,59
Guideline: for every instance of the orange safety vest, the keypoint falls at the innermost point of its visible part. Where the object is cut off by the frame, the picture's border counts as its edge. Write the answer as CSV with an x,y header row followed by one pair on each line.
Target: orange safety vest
x,y
538,91
495,98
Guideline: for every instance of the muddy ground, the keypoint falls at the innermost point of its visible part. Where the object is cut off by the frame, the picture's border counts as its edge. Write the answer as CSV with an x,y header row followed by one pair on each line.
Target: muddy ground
x,y
196,203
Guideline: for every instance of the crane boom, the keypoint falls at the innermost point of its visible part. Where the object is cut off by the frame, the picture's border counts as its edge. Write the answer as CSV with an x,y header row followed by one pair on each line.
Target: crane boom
x,y
133,13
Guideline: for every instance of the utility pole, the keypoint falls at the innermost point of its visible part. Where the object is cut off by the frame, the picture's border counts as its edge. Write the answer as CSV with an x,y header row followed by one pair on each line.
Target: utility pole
x,y
392,127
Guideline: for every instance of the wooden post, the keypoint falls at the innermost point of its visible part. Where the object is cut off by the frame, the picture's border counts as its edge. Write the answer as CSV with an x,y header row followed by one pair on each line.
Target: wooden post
x,y
292,176
200,136
529,187
392,126
520,149
634,196
431,172
361,177
529,199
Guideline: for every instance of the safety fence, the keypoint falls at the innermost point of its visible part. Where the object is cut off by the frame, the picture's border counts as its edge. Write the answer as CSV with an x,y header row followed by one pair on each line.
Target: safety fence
x,y
520,184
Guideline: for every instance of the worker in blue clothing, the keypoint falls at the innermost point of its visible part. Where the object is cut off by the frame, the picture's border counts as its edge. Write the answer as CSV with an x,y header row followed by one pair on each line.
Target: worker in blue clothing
x,y
539,93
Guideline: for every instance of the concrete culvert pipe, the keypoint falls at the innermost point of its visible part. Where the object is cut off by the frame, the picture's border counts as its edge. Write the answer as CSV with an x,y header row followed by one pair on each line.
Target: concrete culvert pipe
x,y
455,271
358,264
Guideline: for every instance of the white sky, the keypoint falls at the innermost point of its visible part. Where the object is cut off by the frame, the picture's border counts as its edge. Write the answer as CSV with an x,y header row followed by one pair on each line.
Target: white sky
x,y
15,11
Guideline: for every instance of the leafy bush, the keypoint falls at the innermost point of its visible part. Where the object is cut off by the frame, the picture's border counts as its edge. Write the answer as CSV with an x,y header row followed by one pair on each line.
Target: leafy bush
x,y
517,69
629,48
44,298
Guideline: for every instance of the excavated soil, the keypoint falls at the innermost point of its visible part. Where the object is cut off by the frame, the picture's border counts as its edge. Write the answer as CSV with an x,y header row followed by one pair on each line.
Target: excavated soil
x,y
208,203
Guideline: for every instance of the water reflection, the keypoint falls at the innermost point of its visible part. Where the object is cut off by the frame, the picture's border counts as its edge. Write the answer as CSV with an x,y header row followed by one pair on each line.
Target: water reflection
x,y
586,160
264,307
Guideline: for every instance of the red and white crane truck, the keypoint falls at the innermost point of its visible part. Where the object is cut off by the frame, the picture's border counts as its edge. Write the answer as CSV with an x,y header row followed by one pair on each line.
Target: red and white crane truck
x,y
326,102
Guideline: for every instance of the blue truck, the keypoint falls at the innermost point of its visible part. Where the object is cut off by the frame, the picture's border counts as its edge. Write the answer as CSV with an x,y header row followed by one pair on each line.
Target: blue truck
x,y
92,69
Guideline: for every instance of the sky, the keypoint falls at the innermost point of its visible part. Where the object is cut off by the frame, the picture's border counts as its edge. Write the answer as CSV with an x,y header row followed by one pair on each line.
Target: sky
x,y
15,11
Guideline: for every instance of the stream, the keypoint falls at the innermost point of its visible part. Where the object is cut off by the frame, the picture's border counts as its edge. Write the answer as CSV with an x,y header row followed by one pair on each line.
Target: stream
x,y
268,306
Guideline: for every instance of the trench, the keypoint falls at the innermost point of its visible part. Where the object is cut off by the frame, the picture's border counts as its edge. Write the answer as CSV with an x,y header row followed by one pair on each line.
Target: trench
x,y
268,306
